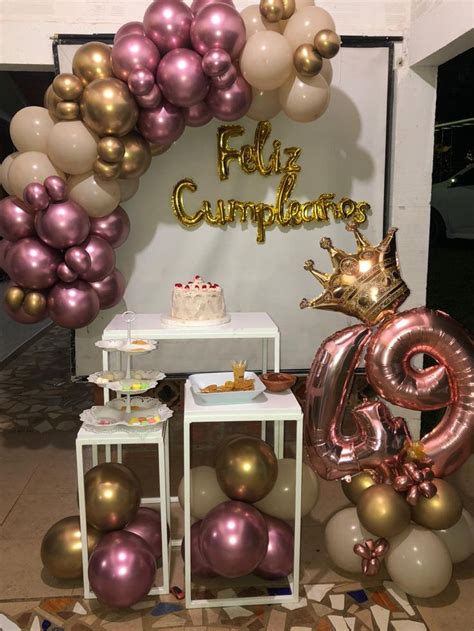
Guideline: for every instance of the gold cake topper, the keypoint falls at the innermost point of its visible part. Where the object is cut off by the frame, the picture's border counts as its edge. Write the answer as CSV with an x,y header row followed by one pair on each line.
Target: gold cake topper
x,y
366,285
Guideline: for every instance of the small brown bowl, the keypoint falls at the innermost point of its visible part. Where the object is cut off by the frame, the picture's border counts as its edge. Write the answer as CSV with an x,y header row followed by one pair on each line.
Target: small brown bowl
x,y
278,381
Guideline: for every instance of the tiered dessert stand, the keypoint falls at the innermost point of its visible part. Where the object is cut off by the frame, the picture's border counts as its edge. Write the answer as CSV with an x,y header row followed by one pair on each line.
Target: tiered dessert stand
x,y
127,420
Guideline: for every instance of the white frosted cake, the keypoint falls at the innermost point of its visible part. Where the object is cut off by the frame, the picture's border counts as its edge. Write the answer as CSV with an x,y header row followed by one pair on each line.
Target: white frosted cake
x,y
197,303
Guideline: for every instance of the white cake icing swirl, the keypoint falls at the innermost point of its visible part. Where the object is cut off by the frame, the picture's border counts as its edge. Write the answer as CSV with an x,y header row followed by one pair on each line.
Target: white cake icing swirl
x,y
198,300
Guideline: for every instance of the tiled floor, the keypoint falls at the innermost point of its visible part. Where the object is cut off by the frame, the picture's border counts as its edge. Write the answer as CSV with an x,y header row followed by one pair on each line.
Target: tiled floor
x,y
38,487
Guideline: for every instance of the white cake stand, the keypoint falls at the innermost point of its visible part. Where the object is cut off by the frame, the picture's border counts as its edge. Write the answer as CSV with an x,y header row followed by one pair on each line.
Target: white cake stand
x,y
177,322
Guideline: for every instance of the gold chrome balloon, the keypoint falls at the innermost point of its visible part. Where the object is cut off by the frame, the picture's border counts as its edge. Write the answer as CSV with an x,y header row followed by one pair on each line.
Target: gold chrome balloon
x,y
110,149
14,297
112,496
358,484
68,111
34,303
272,10
289,7
92,61
108,108
327,43
51,99
106,170
61,548
307,61
383,511
441,511
246,468
157,150
67,86
137,156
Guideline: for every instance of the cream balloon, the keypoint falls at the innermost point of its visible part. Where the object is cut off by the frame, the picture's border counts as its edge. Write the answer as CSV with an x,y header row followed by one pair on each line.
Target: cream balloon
x,y
419,562
326,71
5,170
304,99
72,147
128,188
97,197
342,532
305,23
459,539
266,61
205,491
254,21
265,105
30,128
280,501
30,166
299,4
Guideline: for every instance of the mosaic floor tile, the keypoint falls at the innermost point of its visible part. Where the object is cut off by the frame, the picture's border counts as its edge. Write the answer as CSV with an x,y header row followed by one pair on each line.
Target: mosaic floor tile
x,y
381,616
337,601
317,592
400,596
338,623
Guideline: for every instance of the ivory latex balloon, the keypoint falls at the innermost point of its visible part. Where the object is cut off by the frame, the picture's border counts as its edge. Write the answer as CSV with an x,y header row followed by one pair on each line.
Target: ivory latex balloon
x,y
254,21
205,491
418,562
128,188
266,61
459,539
97,197
326,71
72,147
31,166
30,128
304,99
342,532
5,170
265,105
305,23
280,501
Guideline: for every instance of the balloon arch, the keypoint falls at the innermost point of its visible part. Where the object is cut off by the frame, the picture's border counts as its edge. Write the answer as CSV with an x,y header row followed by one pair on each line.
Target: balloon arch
x,y
82,154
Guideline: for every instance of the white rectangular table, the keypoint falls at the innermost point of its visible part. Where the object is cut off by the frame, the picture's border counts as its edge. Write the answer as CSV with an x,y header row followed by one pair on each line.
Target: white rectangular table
x,y
267,406
158,436
242,325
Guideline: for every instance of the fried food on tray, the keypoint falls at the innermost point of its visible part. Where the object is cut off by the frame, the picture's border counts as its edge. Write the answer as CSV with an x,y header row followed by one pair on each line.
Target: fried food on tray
x,y
230,386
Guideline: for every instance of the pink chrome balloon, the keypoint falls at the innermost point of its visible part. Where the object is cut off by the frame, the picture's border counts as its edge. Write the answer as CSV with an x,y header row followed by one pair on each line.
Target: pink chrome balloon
x,y
225,81
20,315
151,100
55,187
102,258
133,52
36,196
73,305
199,567
215,62
135,28
197,115
234,539
167,23
450,383
181,78
278,561
33,264
197,5
163,125
147,525
141,81
110,289
78,259
16,222
114,228
121,569
231,104
66,274
62,224
218,26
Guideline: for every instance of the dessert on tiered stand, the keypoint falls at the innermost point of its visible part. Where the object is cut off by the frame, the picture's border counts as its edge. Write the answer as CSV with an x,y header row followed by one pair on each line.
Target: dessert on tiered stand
x,y
197,303
127,412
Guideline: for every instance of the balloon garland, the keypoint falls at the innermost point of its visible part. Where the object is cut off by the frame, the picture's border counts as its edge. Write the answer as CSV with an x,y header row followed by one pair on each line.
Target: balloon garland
x,y
82,154
405,512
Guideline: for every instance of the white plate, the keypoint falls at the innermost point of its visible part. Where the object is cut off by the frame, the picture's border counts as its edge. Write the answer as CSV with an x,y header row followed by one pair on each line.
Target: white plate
x,y
127,347
148,379
202,380
105,418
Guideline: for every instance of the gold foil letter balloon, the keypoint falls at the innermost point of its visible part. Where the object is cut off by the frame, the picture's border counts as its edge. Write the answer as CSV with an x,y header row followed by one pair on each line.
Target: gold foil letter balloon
x,y
61,548
112,496
108,107
246,468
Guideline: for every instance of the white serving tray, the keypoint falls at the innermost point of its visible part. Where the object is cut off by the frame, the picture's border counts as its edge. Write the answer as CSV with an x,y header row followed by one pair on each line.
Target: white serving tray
x,y
201,380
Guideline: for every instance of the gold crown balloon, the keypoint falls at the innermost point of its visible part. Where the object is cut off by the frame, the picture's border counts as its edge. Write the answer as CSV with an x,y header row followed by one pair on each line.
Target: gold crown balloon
x,y
366,285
